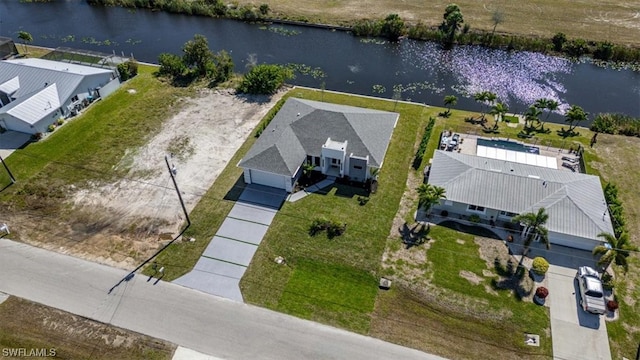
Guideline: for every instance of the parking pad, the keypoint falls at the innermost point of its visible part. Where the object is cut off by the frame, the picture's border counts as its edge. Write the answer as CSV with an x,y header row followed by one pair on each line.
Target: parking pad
x,y
252,213
235,252
217,267
245,231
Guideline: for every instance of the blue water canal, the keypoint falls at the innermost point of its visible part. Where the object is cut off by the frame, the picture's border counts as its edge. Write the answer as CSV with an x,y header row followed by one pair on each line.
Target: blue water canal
x,y
421,70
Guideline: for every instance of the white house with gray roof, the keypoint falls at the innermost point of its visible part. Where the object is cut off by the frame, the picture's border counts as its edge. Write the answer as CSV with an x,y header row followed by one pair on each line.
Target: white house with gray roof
x,y
498,189
338,140
35,93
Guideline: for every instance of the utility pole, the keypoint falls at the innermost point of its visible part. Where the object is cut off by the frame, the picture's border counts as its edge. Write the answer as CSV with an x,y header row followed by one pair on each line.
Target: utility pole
x,y
172,173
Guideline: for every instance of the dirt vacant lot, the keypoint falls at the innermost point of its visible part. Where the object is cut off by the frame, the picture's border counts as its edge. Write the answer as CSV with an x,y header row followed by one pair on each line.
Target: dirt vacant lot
x,y
122,222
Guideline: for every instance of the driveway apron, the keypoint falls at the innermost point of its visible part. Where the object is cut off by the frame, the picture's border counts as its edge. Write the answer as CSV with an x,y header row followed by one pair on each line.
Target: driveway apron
x,y
226,258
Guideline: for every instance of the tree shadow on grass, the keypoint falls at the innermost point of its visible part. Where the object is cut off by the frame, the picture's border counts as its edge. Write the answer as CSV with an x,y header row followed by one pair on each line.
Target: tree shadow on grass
x,y
564,133
350,191
414,236
512,277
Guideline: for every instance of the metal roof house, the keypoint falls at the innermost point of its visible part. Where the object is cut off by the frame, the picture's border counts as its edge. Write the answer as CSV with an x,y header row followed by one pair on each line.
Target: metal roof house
x,y
34,93
338,140
498,189
7,48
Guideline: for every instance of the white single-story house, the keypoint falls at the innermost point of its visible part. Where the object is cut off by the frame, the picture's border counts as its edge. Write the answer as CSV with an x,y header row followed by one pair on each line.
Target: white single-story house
x,y
499,190
339,140
35,93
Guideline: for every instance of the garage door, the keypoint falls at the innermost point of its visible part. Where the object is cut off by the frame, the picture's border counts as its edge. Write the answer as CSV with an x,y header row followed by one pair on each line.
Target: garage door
x,y
268,179
576,243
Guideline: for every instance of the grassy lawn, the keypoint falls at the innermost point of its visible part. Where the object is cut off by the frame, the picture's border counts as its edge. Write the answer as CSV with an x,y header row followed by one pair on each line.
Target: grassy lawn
x,y
610,20
24,324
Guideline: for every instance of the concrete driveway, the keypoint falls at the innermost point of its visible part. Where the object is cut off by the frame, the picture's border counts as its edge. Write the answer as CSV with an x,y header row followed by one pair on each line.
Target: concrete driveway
x,y
576,334
226,258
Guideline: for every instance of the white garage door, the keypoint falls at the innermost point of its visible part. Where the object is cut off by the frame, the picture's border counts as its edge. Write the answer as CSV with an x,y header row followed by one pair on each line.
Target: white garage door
x,y
268,179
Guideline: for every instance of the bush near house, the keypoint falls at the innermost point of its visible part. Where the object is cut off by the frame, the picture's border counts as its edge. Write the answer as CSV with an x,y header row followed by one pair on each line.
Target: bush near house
x,y
128,69
540,265
542,292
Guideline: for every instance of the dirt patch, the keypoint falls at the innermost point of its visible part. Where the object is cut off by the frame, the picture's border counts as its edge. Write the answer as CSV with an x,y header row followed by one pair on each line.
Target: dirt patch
x,y
24,324
471,277
122,222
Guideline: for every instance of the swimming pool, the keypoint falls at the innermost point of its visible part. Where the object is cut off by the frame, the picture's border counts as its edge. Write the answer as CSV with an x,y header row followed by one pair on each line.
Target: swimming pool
x,y
509,145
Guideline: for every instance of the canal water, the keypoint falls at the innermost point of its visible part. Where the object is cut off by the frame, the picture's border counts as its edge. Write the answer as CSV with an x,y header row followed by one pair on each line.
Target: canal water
x,y
418,71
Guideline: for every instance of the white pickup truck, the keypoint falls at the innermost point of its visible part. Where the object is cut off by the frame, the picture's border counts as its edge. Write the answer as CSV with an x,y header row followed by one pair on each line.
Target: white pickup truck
x,y
591,294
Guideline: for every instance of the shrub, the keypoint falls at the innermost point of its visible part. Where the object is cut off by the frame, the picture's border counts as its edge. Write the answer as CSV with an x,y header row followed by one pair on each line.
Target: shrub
x,y
128,69
264,79
60,121
333,228
171,64
474,218
540,266
542,292
558,41
607,281
318,225
612,305
51,127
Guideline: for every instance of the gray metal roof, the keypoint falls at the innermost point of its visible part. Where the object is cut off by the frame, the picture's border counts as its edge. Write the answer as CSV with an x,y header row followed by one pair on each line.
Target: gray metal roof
x,y
575,202
301,127
35,74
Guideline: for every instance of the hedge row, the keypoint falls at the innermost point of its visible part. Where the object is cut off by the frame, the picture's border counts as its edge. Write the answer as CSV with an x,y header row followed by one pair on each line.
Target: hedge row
x,y
615,208
417,160
270,115
617,124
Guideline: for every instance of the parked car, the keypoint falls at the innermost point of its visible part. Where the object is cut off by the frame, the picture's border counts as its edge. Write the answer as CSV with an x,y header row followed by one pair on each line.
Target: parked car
x,y
591,291
454,142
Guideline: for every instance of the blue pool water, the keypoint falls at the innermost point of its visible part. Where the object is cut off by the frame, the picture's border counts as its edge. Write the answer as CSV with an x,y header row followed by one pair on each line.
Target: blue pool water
x,y
509,145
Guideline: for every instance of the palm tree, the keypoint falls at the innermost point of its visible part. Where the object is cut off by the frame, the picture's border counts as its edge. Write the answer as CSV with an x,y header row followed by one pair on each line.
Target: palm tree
x,y
617,250
533,114
451,24
497,17
484,98
533,228
498,110
429,195
574,116
449,101
546,104
26,39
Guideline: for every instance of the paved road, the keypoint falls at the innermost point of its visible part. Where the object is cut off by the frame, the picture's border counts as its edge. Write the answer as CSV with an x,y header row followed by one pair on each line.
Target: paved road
x,y
205,323
576,334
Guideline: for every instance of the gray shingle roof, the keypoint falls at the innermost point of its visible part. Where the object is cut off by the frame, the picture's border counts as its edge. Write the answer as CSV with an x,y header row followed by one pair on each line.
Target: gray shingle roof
x,y
301,127
575,202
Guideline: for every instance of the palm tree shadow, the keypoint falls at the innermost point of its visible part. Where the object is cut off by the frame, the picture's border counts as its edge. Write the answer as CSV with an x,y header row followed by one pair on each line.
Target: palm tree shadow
x,y
512,277
417,235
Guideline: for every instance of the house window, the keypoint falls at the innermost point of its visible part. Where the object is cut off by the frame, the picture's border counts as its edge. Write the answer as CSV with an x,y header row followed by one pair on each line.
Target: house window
x,y
309,159
316,161
448,203
74,99
476,208
357,167
507,214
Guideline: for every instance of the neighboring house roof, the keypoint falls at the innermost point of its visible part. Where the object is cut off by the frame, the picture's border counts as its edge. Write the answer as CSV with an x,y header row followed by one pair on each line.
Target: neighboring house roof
x,y
33,108
301,127
575,202
10,86
36,74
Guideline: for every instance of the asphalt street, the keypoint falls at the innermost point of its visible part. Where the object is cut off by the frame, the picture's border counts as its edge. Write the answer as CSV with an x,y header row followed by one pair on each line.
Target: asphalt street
x,y
205,323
